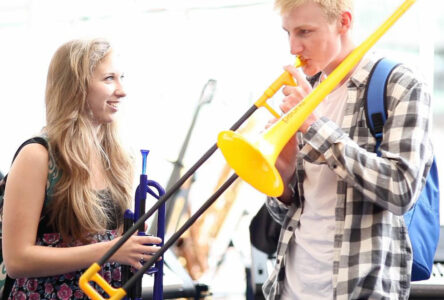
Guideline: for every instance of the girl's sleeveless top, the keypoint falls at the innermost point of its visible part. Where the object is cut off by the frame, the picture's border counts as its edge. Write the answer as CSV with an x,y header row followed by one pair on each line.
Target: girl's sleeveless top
x,y
65,286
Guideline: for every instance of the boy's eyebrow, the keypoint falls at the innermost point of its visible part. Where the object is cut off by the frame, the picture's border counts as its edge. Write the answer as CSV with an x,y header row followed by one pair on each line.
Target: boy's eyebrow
x,y
293,29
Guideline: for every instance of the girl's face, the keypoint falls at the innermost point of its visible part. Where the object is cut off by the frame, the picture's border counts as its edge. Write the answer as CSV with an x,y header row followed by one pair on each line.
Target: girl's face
x,y
105,90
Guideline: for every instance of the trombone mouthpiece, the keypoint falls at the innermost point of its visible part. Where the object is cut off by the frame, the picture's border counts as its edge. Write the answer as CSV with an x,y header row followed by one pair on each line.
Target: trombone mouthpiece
x,y
298,62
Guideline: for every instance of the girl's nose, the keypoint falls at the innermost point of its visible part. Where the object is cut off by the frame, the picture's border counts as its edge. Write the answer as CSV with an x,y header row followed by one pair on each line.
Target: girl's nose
x,y
120,92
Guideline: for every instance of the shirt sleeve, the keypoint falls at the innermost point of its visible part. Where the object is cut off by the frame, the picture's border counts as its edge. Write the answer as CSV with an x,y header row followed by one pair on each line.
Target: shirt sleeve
x,y
277,209
394,180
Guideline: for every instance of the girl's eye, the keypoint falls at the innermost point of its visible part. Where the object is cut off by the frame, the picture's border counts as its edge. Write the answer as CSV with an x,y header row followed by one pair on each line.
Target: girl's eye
x,y
108,78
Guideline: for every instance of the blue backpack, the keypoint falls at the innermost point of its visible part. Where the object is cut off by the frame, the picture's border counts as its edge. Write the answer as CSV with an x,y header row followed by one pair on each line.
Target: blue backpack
x,y
422,220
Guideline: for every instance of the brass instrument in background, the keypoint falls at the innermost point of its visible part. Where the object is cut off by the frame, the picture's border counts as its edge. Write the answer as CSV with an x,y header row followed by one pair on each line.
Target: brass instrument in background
x,y
194,246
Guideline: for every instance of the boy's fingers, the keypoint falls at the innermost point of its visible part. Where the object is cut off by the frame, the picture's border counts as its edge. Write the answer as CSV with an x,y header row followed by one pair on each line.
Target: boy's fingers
x,y
299,77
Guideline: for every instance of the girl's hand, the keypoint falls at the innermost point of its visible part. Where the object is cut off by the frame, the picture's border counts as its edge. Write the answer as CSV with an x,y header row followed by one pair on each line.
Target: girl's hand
x,y
135,250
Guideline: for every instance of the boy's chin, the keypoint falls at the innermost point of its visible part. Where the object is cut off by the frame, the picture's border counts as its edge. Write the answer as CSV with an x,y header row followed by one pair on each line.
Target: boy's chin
x,y
308,71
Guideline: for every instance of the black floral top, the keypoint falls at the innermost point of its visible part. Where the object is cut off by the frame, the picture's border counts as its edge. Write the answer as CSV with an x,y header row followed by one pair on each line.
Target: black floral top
x,y
64,286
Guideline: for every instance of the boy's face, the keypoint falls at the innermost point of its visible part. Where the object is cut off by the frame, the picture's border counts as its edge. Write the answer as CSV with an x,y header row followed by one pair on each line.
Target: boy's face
x,y
314,38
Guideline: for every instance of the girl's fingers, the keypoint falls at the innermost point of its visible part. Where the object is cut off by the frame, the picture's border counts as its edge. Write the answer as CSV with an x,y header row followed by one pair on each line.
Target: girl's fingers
x,y
155,240
151,249
147,239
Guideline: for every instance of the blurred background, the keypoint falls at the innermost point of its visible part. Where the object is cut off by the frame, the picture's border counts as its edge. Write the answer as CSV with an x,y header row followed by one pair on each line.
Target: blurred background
x,y
193,67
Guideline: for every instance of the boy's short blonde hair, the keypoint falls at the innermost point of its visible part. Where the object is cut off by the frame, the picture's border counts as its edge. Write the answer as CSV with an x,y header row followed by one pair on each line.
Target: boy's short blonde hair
x,y
332,8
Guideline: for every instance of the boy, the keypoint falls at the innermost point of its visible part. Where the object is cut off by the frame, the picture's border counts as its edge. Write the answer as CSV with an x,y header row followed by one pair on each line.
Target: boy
x,y
343,234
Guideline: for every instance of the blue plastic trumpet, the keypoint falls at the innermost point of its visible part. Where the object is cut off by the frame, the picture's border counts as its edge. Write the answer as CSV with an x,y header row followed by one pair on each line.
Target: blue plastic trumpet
x,y
145,187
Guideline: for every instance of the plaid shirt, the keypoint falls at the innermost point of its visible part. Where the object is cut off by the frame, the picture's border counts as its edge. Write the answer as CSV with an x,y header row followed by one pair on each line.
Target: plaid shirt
x,y
372,251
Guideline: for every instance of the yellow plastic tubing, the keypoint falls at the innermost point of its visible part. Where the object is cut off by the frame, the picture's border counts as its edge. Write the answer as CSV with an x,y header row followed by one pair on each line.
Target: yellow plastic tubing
x,y
91,274
284,79
255,161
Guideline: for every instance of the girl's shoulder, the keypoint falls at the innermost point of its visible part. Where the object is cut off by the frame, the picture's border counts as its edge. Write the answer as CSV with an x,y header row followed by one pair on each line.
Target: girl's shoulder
x,y
54,172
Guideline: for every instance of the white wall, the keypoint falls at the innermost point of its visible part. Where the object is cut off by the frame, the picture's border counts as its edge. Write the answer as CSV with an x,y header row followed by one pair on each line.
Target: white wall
x,y
172,49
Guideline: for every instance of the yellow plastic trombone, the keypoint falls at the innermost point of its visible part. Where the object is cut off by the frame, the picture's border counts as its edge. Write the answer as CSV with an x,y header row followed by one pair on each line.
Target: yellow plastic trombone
x,y
255,161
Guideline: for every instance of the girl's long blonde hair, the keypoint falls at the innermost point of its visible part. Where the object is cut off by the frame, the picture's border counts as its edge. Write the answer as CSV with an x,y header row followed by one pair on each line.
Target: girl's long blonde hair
x,y
76,210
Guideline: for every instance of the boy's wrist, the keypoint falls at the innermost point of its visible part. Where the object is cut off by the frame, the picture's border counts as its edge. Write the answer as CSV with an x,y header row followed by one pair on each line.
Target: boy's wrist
x,y
289,190
288,195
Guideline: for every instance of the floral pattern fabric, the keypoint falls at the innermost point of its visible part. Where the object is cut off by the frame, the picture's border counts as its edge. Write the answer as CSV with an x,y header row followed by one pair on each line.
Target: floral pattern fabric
x,y
65,286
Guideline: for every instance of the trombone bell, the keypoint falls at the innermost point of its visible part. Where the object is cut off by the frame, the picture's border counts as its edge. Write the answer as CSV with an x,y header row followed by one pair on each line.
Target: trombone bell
x,y
253,162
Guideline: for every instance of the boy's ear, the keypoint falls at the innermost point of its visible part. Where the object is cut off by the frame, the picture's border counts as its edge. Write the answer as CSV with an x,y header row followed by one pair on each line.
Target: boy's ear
x,y
345,22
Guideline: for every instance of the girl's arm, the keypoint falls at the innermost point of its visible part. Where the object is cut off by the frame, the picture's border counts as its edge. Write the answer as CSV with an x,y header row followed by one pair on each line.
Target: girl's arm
x,y
24,198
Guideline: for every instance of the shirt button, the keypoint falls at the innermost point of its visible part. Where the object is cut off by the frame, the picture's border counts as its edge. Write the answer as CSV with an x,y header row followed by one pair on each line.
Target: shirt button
x,y
277,261
290,228
335,166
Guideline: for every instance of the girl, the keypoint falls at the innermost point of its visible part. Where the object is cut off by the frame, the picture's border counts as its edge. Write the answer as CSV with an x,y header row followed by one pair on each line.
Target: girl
x,y
64,204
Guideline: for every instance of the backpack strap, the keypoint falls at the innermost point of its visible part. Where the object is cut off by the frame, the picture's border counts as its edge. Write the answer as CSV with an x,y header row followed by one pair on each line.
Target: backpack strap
x,y
375,98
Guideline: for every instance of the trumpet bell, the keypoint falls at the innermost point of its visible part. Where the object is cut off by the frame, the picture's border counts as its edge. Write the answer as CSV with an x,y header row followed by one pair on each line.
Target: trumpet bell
x,y
250,163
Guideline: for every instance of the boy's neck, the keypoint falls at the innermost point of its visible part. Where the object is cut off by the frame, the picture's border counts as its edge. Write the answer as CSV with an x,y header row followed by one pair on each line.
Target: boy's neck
x,y
348,47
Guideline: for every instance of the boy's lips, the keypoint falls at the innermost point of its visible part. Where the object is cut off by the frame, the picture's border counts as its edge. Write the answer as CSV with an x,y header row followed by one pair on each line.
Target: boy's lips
x,y
303,60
